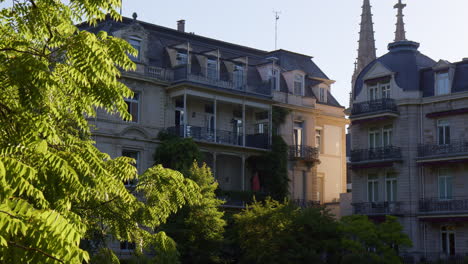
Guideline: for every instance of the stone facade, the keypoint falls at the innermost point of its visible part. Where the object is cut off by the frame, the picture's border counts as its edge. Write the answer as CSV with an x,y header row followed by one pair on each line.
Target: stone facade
x,y
222,95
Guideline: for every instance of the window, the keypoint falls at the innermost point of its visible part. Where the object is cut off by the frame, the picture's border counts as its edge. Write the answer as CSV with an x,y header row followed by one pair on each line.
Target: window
x,y
374,138
318,139
391,187
373,93
298,84
128,246
238,76
322,94
275,79
447,240
132,106
372,188
443,132
387,136
298,133
136,44
181,58
212,69
136,156
385,88
445,184
261,128
442,83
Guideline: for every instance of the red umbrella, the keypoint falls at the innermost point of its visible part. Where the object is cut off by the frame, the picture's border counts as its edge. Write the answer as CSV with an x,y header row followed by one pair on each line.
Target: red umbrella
x,y
256,183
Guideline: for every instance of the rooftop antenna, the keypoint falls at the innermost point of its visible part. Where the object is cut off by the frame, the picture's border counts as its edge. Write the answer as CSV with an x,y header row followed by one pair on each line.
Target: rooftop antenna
x,y
276,27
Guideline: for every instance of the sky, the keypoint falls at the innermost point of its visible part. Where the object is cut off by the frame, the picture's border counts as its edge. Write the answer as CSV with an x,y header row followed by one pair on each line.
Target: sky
x,y
328,30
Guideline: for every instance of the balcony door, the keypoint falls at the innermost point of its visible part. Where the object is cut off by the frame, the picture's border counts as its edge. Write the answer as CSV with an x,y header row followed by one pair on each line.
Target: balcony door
x,y
447,240
212,69
238,76
443,132
391,187
374,138
445,184
373,92
298,137
387,136
372,188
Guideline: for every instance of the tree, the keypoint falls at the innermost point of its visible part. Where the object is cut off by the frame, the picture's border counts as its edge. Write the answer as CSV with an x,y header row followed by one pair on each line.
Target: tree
x,y
176,153
274,232
56,187
197,229
365,242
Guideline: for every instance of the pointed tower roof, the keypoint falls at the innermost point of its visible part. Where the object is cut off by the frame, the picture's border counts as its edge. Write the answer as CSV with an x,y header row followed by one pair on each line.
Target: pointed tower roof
x,y
366,51
400,33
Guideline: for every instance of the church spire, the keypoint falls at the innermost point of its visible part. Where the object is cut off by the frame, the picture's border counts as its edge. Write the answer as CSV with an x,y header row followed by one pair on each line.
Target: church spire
x,y
400,33
366,51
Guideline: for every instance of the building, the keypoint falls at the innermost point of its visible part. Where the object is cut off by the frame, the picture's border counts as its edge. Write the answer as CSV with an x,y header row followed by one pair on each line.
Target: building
x,y
409,146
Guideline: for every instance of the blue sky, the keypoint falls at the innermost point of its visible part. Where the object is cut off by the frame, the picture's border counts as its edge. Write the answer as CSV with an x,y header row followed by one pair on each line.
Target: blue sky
x,y
327,30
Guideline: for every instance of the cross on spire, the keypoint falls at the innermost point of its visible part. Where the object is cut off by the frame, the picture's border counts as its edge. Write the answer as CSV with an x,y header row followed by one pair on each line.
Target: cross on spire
x,y
400,33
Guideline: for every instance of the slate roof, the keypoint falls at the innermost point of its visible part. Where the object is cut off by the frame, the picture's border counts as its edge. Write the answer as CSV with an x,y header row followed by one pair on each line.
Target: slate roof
x,y
405,60
460,79
162,37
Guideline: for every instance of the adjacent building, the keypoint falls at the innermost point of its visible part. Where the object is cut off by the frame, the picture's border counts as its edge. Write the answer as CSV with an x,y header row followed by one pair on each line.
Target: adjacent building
x,y
409,146
222,95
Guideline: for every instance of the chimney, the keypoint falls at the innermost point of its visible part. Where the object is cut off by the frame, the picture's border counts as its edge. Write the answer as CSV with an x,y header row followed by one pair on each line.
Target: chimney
x,y
181,25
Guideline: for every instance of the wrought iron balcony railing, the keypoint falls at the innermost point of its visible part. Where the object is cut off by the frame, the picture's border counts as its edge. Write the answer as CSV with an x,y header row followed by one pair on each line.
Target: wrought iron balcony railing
x,y
221,136
378,208
303,152
454,148
232,81
374,106
376,154
436,205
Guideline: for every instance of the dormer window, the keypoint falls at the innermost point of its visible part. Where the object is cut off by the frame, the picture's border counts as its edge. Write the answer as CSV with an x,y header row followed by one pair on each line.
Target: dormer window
x,y
379,88
212,69
238,76
136,44
275,79
322,94
181,58
299,84
442,83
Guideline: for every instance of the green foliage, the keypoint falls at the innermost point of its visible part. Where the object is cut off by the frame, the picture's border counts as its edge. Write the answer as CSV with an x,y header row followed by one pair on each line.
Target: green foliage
x,y
56,187
176,153
367,242
198,229
104,256
279,115
272,169
274,232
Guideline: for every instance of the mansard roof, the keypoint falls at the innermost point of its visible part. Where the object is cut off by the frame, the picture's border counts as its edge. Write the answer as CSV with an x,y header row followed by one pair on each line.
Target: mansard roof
x,y
160,38
405,61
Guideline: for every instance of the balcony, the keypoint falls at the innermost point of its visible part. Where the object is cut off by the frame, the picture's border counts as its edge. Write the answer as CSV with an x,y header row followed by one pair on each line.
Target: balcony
x,y
375,157
378,208
304,153
456,151
228,81
374,110
224,137
441,206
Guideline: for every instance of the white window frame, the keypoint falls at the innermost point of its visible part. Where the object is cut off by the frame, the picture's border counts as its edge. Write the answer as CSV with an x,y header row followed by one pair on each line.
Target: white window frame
x,y
275,77
373,92
374,183
374,142
445,175
387,136
136,42
442,83
318,139
322,96
134,100
444,127
450,230
385,90
392,181
298,79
